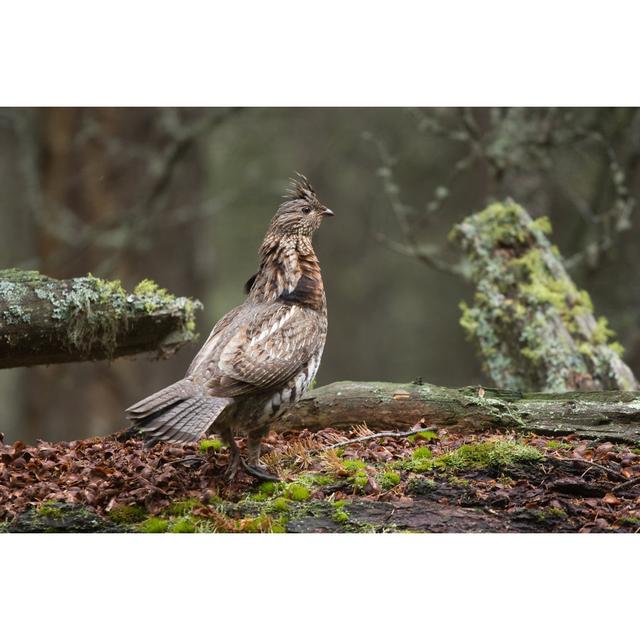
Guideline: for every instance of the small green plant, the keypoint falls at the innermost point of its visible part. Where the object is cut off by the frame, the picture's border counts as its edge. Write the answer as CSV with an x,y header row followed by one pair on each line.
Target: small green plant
x,y
353,465
389,479
210,445
424,435
154,525
340,516
280,504
555,444
297,492
50,509
183,507
183,525
127,514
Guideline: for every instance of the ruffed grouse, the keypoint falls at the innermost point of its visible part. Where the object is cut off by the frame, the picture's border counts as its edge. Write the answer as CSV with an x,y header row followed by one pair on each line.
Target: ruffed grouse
x,y
262,355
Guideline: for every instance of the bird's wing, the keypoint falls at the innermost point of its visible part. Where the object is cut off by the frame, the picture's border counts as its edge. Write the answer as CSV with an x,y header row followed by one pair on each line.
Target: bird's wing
x,y
207,357
268,347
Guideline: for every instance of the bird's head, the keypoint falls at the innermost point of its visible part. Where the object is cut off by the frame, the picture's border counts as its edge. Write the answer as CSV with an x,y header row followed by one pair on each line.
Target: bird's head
x,y
301,213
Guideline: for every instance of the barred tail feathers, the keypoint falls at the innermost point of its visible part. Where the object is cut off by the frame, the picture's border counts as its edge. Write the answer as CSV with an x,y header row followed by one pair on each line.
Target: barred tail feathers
x,y
179,413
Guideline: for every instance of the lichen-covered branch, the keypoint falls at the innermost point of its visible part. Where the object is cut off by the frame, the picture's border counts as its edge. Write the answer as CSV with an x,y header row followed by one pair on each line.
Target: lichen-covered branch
x,y
534,328
613,415
46,321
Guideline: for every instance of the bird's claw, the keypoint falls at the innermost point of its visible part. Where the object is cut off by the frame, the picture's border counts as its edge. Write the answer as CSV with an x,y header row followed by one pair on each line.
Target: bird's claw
x,y
257,472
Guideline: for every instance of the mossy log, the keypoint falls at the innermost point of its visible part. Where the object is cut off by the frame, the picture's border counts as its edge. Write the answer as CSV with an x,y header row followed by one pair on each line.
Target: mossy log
x,y
612,415
534,328
46,321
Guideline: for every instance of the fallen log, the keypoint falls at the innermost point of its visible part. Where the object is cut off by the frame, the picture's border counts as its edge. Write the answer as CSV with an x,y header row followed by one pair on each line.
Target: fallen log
x,y
46,321
611,415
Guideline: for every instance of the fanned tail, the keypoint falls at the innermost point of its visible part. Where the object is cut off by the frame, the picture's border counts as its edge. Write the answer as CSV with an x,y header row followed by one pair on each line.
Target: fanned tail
x,y
179,413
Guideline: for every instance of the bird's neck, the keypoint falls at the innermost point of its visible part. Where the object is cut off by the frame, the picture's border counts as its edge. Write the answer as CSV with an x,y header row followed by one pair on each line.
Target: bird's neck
x,y
289,271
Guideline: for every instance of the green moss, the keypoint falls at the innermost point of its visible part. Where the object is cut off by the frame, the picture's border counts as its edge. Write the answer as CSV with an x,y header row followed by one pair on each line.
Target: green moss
x,y
264,524
360,480
153,525
353,465
183,507
421,486
389,479
297,492
340,516
50,509
280,504
550,513
185,524
629,521
421,453
318,479
423,435
497,453
127,514
555,444
213,445
269,488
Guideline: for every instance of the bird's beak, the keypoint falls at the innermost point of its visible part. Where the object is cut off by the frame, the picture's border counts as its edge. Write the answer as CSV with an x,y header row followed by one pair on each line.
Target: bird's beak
x,y
328,212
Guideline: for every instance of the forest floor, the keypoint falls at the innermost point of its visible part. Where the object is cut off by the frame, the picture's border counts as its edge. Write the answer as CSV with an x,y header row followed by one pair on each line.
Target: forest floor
x,y
434,481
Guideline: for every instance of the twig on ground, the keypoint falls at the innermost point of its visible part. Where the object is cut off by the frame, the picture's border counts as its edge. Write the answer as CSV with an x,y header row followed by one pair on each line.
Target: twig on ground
x,y
587,463
627,485
379,434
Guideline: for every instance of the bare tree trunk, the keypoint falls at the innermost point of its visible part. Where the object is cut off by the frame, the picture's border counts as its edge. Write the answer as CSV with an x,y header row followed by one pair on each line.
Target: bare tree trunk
x,y
534,328
45,321
613,415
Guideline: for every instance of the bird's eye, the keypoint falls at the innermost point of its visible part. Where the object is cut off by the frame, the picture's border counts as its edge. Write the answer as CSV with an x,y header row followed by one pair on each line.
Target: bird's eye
x,y
306,209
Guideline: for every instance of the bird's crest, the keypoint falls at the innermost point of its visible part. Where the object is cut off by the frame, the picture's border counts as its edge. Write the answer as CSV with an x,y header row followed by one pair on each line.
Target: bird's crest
x,y
300,189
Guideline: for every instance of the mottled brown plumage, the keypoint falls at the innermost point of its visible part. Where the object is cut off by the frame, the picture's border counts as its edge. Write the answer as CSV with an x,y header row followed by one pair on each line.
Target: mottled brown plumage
x,y
262,355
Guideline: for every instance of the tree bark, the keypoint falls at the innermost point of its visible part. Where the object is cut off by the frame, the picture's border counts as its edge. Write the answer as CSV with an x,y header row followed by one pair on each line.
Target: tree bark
x,y
613,415
534,328
45,321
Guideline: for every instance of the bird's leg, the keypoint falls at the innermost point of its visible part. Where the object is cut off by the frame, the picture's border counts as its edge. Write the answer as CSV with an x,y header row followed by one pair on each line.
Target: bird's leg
x,y
253,465
235,459
254,442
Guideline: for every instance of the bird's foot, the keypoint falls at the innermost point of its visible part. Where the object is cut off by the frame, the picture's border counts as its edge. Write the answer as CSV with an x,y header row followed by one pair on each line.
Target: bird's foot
x,y
259,471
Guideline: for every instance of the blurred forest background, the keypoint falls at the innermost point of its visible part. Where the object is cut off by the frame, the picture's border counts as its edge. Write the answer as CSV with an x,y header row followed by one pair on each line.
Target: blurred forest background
x,y
183,196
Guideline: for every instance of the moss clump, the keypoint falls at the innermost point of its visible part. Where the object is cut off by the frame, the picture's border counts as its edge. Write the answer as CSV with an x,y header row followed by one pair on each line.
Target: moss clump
x,y
319,480
50,509
421,453
423,435
297,492
280,504
353,465
183,507
494,453
185,524
555,444
550,513
210,445
127,514
340,516
497,453
360,480
268,489
154,525
421,486
389,479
